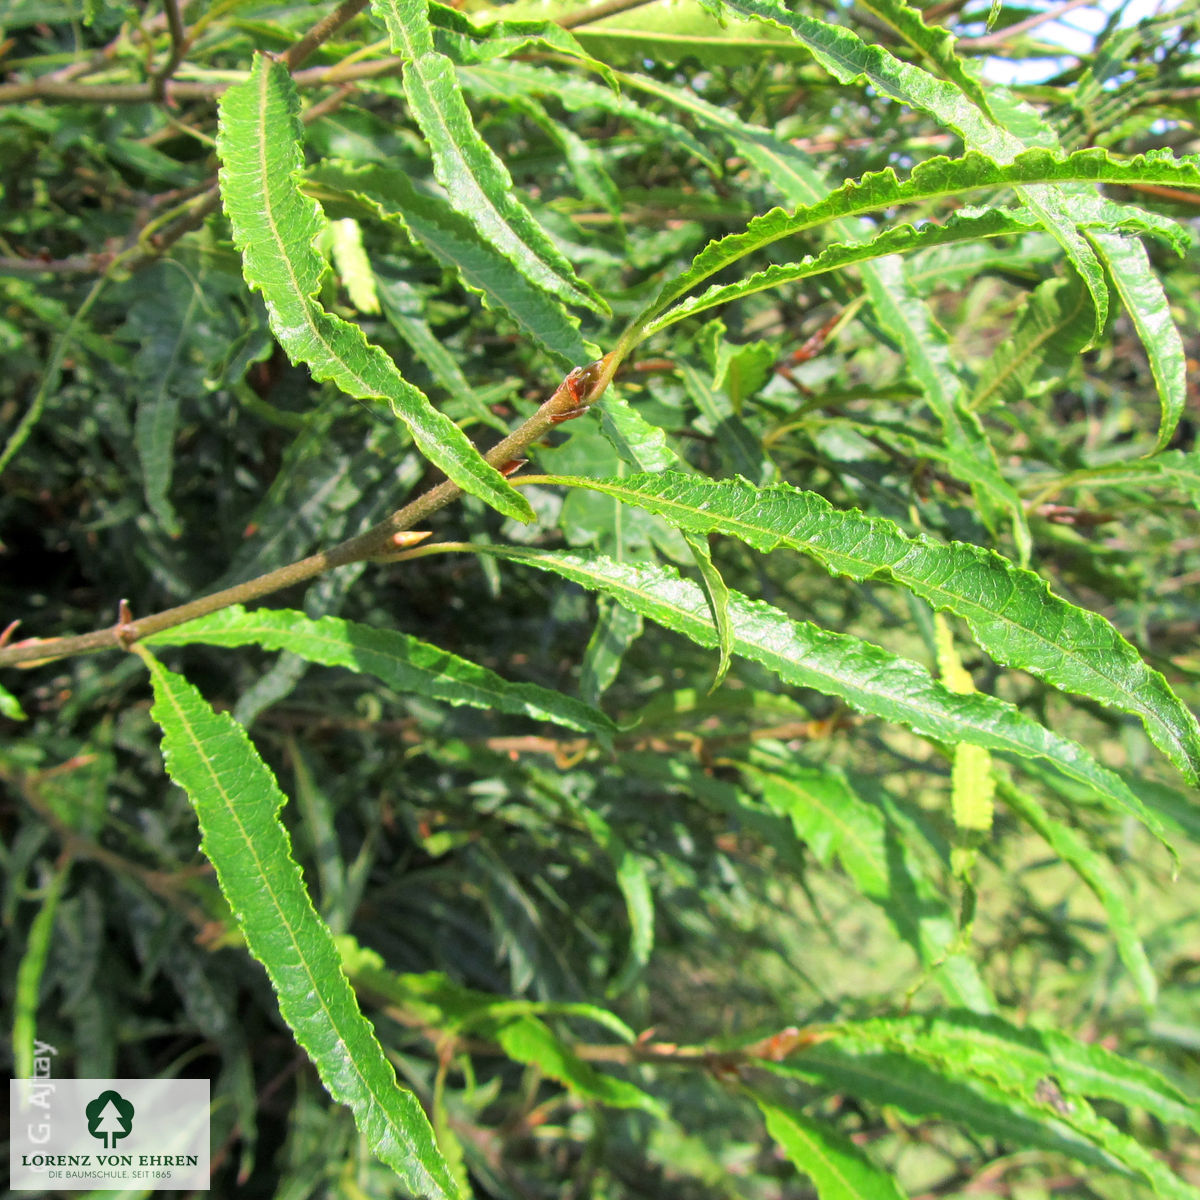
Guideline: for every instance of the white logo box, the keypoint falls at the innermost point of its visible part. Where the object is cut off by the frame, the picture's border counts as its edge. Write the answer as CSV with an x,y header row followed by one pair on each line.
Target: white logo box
x,y
108,1134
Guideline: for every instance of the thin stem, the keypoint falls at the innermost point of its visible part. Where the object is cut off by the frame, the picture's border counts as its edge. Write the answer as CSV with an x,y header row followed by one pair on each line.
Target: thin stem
x,y
180,43
59,87
322,31
597,12
986,40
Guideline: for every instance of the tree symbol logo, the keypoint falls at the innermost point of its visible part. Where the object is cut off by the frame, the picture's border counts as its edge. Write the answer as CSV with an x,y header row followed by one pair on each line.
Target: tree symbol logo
x,y
109,1117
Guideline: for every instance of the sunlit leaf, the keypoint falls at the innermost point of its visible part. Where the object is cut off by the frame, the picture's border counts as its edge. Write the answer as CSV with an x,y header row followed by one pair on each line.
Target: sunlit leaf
x,y
274,226
237,802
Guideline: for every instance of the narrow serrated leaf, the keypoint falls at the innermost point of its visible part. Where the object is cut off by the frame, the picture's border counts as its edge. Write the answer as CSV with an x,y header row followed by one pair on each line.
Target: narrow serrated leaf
x,y
434,226
864,1061
407,23
237,802
477,183
404,308
1031,1070
1011,611
531,1041
865,676
1021,1056
835,1164
931,179
274,226
1052,330
1141,292
717,591
166,332
672,31
890,1078
848,58
639,443
935,43
401,661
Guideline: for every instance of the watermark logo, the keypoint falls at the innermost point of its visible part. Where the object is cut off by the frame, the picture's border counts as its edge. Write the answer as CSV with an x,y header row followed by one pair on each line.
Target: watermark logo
x,y
109,1117
108,1134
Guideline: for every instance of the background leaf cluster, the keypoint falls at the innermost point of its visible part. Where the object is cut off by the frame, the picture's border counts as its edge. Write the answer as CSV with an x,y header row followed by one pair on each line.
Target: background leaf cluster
x,y
794,791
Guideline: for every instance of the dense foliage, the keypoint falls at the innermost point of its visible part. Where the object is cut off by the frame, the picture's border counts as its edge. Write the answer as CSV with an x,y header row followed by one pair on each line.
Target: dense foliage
x,y
781,784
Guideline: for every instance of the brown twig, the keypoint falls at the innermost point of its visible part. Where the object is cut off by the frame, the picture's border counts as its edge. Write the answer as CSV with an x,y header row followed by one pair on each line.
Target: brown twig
x,y
322,31
180,43
597,12
75,264
986,40
376,541
63,88
1178,195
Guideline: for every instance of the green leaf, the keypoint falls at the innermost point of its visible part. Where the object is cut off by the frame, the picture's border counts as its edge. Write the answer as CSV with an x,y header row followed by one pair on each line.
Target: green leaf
x,y
1054,327
1175,469
849,59
404,308
740,451
516,79
860,1060
1141,292
865,676
237,802
898,307
936,43
470,38
893,1079
972,780
672,31
642,445
1099,875
717,592
403,662
1012,612
876,851
932,179
529,1040
846,57
433,998
433,225
615,631
480,187
1182,468
165,328
10,706
1019,1057
836,1166
928,355
476,181
30,969
353,267
274,227
408,24
634,884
